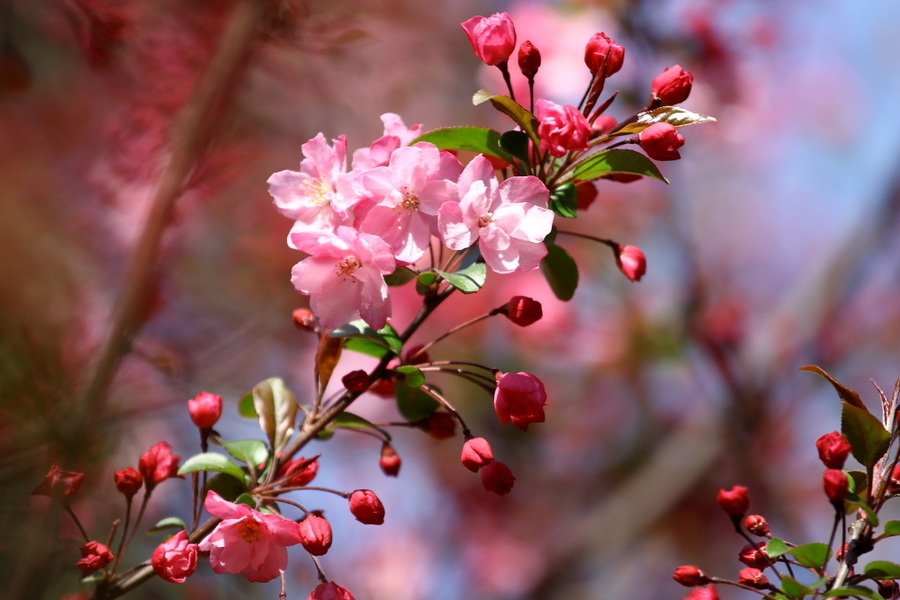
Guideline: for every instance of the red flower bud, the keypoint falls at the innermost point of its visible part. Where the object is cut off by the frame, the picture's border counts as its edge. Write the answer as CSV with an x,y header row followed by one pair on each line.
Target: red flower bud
x,y
301,471
175,559
356,381
94,556
753,577
389,461
366,507
523,311
330,591
631,261
128,481
690,576
888,589
703,593
304,319
529,59
315,535
440,425
493,38
59,484
205,409
672,86
835,484
496,477
603,124
735,502
893,486
661,141
476,453
757,525
596,51
158,464
755,556
833,449
520,399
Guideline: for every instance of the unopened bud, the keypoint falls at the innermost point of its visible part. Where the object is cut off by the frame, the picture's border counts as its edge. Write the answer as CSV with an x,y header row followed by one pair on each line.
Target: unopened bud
x,y
836,484
753,577
476,453
833,449
757,525
523,311
304,319
631,261
128,481
529,59
735,502
389,461
672,86
356,381
690,576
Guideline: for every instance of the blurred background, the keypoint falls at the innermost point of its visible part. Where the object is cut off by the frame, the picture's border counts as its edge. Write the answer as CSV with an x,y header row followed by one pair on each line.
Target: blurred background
x,y
775,246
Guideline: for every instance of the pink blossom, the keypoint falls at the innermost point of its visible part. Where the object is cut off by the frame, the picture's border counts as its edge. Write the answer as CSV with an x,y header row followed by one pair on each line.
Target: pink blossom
x,y
344,275
508,220
493,38
562,128
408,194
396,135
175,559
319,196
519,399
247,541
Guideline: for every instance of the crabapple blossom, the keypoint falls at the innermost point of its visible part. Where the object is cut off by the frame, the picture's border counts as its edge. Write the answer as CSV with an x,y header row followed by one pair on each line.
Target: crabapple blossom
x,y
735,502
520,399
366,507
175,559
661,141
509,221
301,471
94,556
408,194
529,59
562,127
315,534
344,275
440,425
205,409
596,50
496,477
158,464
631,261
672,86
493,38
330,591
833,449
389,461
59,484
707,592
836,484
476,453
690,576
757,525
319,196
378,154
128,481
753,577
523,311
247,541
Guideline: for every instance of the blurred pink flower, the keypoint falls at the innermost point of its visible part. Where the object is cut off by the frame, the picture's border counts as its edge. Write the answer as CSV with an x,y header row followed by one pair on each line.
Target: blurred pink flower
x,y
562,128
520,399
509,221
344,275
408,194
247,541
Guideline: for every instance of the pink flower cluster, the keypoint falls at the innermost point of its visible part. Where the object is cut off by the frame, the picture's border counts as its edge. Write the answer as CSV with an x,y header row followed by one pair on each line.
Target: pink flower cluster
x,y
358,225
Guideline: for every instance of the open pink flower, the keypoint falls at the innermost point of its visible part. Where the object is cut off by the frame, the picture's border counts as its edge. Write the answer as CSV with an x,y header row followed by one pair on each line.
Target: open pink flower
x,y
247,541
396,135
409,193
319,196
508,220
344,275
562,127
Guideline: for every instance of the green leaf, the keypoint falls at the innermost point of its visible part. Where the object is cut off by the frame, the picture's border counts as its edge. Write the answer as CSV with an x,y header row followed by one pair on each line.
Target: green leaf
x,y
673,115
226,486
516,143
385,337
852,590
400,276
794,588
776,547
891,528
210,461
853,502
564,201
352,421
513,110
868,438
166,524
471,139
609,162
424,282
859,482
413,403
845,393
881,569
413,376
811,555
468,280
252,452
245,406
277,409
364,346
560,271
245,499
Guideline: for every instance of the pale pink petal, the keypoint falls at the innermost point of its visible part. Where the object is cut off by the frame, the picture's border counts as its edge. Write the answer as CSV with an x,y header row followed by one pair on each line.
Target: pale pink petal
x,y
455,234
284,531
337,301
409,166
434,194
478,169
274,565
530,255
320,243
393,125
219,507
228,553
310,275
288,188
380,255
495,238
500,261
535,225
524,189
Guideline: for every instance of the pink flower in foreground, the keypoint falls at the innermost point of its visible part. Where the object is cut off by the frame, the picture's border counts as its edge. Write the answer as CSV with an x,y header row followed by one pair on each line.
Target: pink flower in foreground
x,y
493,38
344,275
520,399
175,559
562,127
396,135
247,541
330,591
408,195
319,196
509,221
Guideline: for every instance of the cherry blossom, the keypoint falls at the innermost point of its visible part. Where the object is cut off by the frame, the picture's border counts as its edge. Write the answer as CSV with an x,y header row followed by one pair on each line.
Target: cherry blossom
x,y
396,135
509,221
409,193
247,541
344,275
